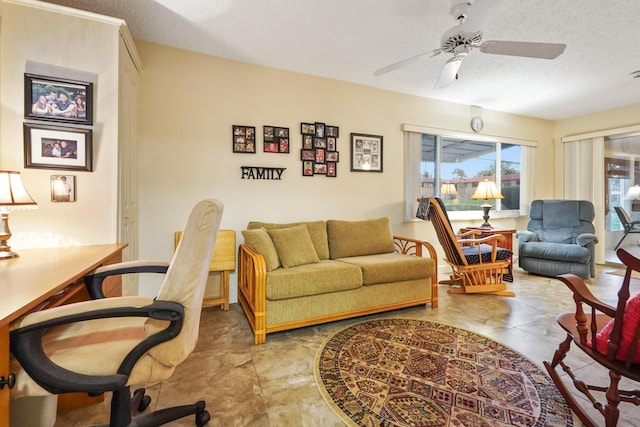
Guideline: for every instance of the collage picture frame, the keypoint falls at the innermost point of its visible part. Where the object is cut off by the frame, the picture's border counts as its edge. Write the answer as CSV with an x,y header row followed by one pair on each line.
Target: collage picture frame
x,y
275,139
244,139
319,153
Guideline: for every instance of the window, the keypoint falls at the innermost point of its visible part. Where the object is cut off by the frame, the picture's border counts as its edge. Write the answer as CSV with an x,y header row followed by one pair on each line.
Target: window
x,y
451,166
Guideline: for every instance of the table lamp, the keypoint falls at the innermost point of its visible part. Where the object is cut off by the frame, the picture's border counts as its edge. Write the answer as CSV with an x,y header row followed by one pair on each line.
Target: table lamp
x,y
448,189
486,190
634,192
13,195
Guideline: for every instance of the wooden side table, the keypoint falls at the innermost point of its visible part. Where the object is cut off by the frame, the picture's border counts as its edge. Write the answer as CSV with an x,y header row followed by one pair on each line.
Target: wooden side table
x,y
507,243
223,262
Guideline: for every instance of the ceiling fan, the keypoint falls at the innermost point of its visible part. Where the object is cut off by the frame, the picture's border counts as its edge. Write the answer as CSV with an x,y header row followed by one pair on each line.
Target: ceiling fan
x,y
467,35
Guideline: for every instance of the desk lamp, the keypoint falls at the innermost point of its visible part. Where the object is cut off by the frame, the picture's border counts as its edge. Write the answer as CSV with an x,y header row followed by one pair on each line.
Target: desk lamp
x,y
486,190
13,195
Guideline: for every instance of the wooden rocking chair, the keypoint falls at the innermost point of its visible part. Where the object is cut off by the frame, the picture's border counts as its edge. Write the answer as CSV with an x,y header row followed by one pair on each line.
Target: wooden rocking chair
x,y
478,264
610,336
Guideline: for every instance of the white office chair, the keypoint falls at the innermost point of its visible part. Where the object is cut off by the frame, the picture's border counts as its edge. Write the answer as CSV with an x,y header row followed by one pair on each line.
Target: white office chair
x,y
111,344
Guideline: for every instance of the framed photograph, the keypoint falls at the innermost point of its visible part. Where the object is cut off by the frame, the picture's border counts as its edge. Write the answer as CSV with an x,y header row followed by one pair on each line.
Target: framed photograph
x,y
48,98
320,155
331,143
308,128
307,155
319,169
332,131
307,168
244,139
332,169
53,147
268,133
320,130
366,153
307,142
63,188
319,143
331,156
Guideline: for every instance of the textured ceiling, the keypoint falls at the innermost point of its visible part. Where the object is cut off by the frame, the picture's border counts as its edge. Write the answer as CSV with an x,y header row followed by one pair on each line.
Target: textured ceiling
x,y
349,39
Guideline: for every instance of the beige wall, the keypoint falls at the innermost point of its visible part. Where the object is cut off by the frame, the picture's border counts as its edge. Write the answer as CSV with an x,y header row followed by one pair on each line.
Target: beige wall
x,y
189,103
34,39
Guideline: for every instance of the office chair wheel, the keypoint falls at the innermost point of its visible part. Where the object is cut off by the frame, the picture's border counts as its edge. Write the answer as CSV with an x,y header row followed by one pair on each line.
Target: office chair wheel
x,y
144,403
202,416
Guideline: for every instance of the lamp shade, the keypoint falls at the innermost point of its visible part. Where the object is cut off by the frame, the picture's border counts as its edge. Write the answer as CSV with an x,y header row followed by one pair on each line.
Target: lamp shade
x,y
448,190
12,191
487,190
634,192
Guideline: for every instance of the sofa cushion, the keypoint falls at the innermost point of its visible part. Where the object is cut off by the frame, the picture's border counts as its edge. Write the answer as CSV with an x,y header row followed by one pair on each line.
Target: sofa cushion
x,y
391,267
317,231
312,279
294,246
473,253
356,238
556,251
260,240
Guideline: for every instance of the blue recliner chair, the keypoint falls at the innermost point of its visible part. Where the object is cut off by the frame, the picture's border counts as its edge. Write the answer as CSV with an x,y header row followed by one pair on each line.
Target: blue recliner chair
x,y
559,239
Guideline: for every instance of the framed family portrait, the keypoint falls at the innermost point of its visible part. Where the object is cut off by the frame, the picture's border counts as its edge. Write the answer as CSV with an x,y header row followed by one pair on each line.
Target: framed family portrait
x,y
366,153
53,147
48,98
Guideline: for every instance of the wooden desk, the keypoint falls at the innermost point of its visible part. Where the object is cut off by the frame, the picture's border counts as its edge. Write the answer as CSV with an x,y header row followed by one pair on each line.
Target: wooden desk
x,y
44,278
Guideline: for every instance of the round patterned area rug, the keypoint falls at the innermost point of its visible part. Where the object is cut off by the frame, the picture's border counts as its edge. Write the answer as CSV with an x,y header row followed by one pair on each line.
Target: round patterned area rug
x,y
404,372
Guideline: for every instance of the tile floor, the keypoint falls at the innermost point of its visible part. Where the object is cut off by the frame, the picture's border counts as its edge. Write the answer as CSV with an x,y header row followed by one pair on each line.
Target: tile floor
x,y
273,384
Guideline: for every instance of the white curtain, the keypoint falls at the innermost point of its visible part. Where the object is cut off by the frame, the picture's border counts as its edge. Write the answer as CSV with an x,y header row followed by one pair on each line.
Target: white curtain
x,y
584,180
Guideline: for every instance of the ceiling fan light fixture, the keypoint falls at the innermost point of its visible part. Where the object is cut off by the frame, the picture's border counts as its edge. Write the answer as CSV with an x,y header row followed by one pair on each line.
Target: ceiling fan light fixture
x,y
459,10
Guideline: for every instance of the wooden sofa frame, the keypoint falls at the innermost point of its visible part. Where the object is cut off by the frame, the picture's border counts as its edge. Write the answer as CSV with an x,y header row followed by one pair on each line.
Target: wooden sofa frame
x,y
252,283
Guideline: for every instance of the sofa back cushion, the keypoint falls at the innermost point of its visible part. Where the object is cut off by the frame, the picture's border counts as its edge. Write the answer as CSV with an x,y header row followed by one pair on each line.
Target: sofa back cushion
x,y
317,232
356,238
294,246
260,240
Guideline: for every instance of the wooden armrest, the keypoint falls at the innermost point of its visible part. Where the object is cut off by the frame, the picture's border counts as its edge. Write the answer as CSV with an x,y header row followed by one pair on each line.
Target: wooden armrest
x,y
492,240
466,234
407,245
581,293
252,290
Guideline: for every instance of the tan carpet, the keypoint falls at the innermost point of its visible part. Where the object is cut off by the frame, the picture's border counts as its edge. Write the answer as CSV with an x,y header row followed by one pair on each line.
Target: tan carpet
x,y
406,372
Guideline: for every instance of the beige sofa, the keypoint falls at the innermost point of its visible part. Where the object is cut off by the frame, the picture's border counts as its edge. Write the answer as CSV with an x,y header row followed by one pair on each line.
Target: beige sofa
x,y
301,274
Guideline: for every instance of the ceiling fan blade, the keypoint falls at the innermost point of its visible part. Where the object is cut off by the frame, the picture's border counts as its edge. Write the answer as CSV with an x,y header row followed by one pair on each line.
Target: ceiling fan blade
x,y
399,64
479,14
527,49
449,72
